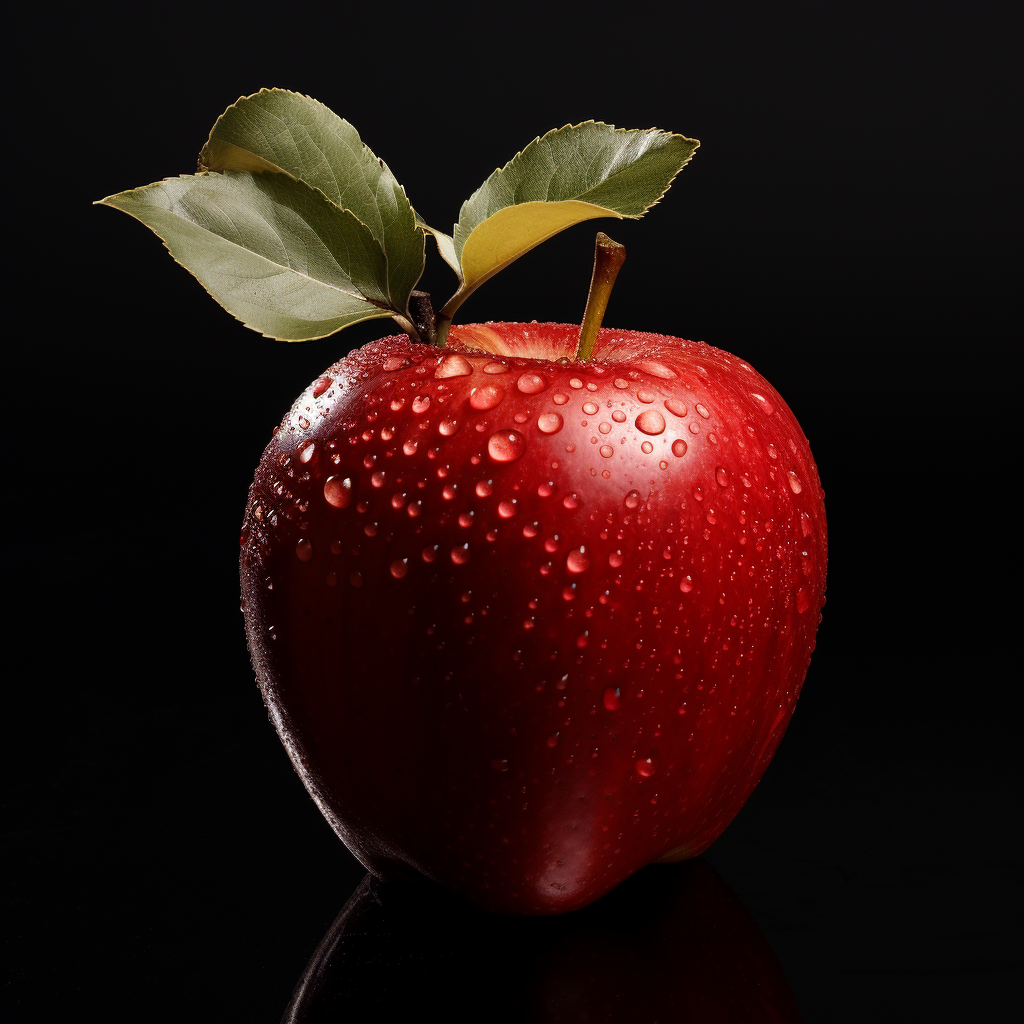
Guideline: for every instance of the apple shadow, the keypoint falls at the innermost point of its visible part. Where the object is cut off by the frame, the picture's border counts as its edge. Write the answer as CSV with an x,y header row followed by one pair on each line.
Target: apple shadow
x,y
671,943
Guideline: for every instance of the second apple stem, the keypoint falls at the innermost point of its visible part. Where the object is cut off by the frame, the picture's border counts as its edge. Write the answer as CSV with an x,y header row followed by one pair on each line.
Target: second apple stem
x,y
608,258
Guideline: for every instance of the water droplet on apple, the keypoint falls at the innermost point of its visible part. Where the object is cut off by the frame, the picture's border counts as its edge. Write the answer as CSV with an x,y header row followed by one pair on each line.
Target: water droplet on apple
x,y
495,368
453,365
506,509
650,422
531,384
559,399
632,499
549,423
722,477
338,491
590,409
615,559
420,404
679,447
675,406
500,764
656,369
570,501
460,554
304,550
393,363
576,561
607,451
701,411
794,482
686,584
612,699
645,396
647,447
803,602
447,427
399,567
484,489
486,397
646,767
621,384
321,386
764,404
505,445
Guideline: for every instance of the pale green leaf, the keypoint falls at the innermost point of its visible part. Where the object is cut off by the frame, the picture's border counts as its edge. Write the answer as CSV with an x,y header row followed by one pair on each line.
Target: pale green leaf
x,y
270,249
569,175
278,130
445,245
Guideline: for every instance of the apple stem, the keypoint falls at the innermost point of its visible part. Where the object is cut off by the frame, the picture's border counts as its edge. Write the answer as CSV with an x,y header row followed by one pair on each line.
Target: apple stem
x,y
421,309
441,329
608,258
407,326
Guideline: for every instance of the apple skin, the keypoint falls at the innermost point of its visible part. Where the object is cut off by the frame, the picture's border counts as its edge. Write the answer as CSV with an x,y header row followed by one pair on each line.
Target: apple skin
x,y
526,624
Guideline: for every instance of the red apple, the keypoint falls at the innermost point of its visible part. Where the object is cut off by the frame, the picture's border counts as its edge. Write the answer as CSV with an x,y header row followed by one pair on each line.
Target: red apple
x,y
527,623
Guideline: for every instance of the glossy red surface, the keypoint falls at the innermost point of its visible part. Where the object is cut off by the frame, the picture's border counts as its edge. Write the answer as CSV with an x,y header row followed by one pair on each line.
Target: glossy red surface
x,y
526,625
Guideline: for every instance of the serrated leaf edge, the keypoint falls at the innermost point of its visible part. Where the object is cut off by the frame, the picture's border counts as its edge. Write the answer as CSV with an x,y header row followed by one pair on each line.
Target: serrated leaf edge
x,y
603,124
202,168
384,311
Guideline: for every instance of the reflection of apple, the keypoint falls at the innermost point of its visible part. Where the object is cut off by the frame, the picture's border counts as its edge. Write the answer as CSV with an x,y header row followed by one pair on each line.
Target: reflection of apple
x,y
670,944
525,622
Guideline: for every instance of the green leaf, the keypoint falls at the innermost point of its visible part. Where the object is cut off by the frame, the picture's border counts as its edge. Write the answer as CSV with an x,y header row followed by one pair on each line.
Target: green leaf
x,y
569,175
278,130
445,245
272,250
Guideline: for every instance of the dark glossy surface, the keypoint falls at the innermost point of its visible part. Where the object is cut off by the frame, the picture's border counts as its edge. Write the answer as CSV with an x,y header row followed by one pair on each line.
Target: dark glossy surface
x,y
673,943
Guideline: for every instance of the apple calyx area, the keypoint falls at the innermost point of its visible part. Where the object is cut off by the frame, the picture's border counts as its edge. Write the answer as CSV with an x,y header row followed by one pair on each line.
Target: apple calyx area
x,y
609,256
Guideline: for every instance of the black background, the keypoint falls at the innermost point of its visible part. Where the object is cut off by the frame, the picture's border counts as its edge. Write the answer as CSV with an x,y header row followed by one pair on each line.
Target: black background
x,y
844,227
